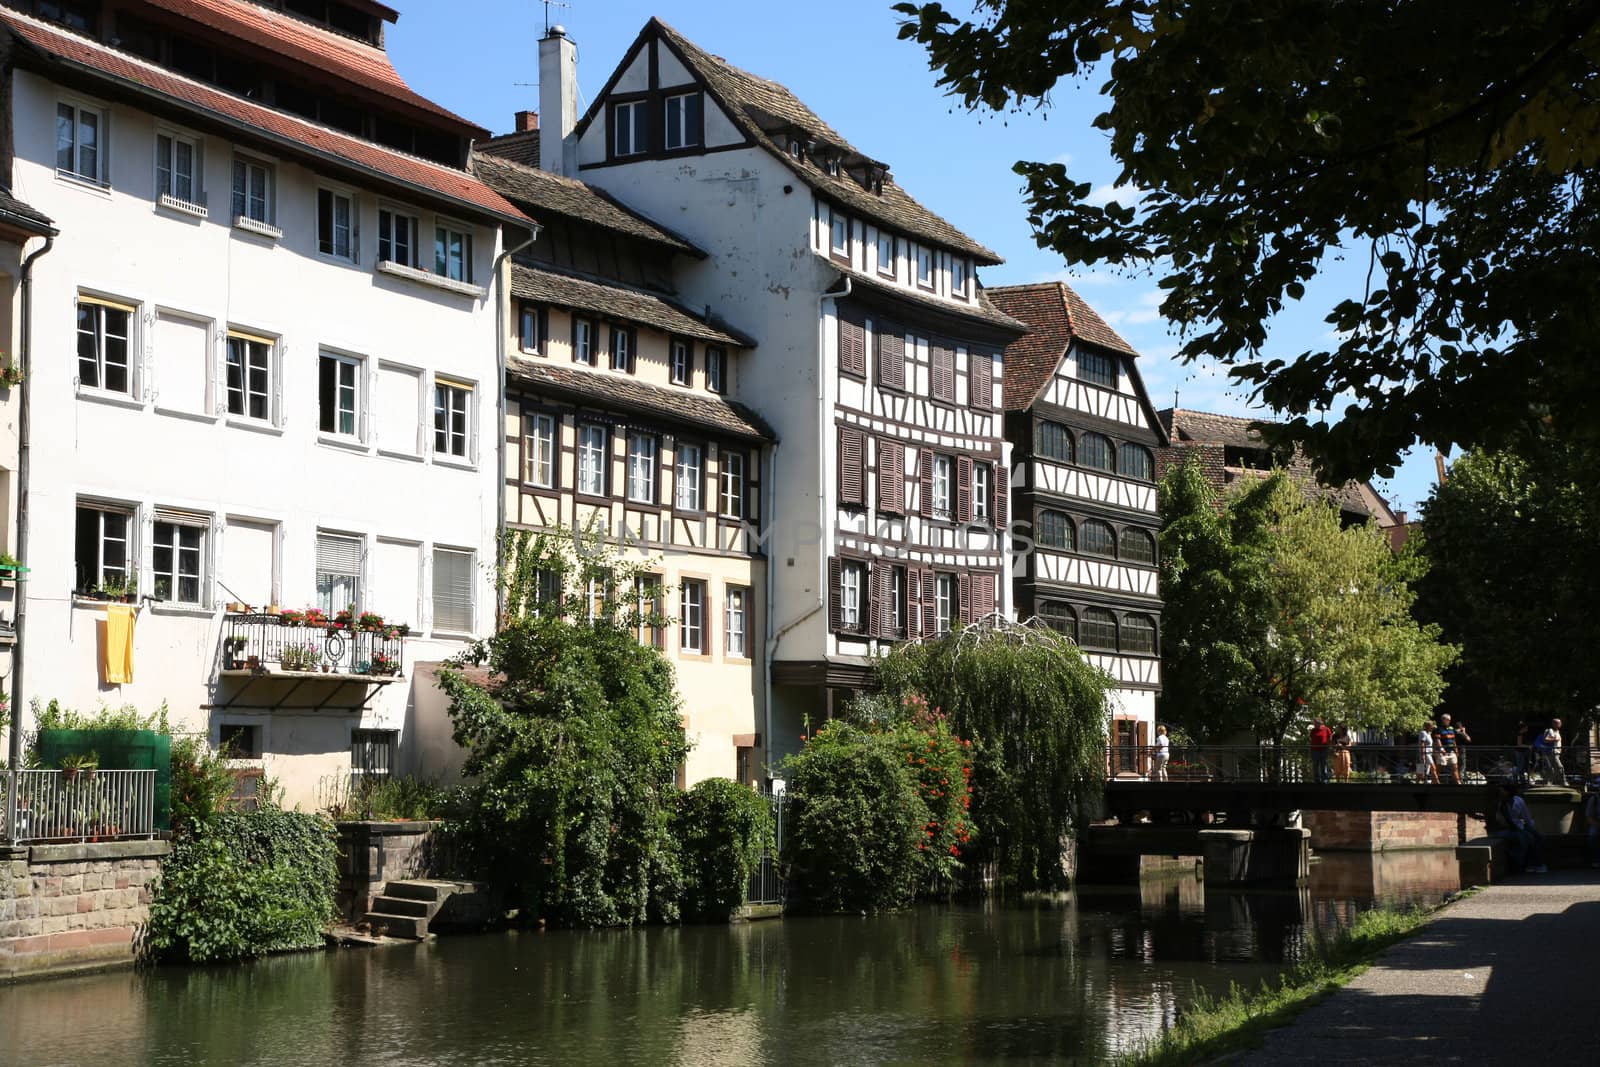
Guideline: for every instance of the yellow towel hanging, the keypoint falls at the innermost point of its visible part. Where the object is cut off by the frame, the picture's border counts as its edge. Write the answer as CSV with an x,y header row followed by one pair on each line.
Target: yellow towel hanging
x,y
116,659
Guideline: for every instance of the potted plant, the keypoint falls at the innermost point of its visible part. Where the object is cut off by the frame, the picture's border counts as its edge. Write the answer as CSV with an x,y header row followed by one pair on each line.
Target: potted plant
x,y
290,617
342,619
124,589
232,649
382,663
10,566
78,762
315,618
11,375
370,621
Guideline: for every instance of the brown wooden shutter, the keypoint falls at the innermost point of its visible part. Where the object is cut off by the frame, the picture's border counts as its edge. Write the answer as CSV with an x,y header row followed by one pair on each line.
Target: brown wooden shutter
x,y
913,616
944,373
852,466
964,488
980,380
1002,496
983,598
852,345
891,355
835,595
964,586
925,480
930,605
891,477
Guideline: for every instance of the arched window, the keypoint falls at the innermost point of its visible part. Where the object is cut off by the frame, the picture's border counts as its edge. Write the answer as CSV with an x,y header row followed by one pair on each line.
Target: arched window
x,y
1099,630
1094,450
1135,461
1052,441
1139,635
1055,530
1059,618
1136,546
1097,538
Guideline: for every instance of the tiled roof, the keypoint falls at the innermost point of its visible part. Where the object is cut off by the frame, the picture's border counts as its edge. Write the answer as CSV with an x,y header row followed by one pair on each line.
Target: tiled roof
x,y
520,147
423,176
761,107
613,300
621,392
334,54
551,193
23,216
1057,316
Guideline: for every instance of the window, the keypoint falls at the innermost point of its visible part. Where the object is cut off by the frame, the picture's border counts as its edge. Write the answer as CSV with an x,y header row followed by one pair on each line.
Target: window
x,y
547,590
886,253
1099,630
1135,461
103,341
839,233
583,342
398,414
103,547
249,377
642,448
452,590
943,482
852,591
946,602
339,560
184,363
336,221
178,169
339,391
540,451
252,191
1052,441
683,121
78,144
177,558
1094,450
630,129
1096,538
621,349
451,411
897,602
716,369
735,615
239,740
733,484
452,253
1137,546
688,472
397,238
1139,635
1058,617
942,364
74,15
372,752
598,599
592,448
1097,368
1055,530
958,277
530,329
925,267
248,567
647,609
682,362
692,616
982,476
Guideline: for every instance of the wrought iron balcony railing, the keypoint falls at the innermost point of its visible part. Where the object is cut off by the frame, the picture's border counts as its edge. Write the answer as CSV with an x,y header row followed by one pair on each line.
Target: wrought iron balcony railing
x,y
256,642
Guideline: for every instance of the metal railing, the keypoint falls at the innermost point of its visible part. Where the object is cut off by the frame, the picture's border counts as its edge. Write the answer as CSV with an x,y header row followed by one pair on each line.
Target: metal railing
x,y
767,884
253,640
82,805
1366,764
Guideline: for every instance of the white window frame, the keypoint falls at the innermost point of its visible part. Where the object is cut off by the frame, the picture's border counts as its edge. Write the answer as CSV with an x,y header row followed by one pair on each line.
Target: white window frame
x,y
886,263
838,222
358,371
166,162
852,589
175,524
942,487
647,603
541,444
583,331
946,602
897,601
644,459
596,451
681,363
677,132
451,229
451,398
716,369
130,558
621,349
959,275
352,230
623,119
245,391
736,612
131,365
101,176
692,616
981,477
927,267
688,479
471,590
410,253
240,204
356,578
731,483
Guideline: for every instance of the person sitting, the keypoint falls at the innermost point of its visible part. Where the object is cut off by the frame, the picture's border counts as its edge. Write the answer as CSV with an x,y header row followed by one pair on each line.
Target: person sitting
x,y
1522,838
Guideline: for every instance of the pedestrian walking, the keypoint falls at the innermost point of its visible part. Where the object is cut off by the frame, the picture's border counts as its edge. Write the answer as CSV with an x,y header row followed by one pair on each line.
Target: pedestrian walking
x,y
1553,774
1447,750
1320,738
1158,758
1342,742
1427,770
1463,739
1591,816
1522,837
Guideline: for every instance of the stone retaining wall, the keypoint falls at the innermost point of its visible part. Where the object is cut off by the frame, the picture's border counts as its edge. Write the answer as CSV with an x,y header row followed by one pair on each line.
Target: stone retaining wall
x,y
1378,831
66,908
372,854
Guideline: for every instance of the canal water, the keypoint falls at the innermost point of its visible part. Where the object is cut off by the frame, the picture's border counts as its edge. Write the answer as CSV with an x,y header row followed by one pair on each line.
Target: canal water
x,y
1067,980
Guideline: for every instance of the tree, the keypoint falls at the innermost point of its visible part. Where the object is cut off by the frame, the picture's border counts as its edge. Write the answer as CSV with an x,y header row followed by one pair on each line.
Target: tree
x,y
1510,541
1447,147
1317,620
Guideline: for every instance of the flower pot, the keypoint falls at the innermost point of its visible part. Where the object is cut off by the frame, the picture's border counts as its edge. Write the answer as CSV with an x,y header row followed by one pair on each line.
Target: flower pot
x,y
70,773
326,669
254,663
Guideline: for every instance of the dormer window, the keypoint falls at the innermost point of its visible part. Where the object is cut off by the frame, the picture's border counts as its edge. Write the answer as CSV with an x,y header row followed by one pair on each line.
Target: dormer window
x,y
839,233
685,115
630,128
925,267
831,164
958,277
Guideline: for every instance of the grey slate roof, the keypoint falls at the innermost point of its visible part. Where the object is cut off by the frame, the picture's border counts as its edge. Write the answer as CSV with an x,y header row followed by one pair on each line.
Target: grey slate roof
x,y
519,147
763,108
621,392
613,300
984,312
546,193
24,217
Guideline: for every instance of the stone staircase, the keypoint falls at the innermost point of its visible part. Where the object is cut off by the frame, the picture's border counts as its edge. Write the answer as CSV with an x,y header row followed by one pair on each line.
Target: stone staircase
x,y
406,908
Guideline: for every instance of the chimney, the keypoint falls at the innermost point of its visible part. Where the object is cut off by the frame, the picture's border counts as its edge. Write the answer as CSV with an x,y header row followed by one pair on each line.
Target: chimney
x,y
558,100
527,120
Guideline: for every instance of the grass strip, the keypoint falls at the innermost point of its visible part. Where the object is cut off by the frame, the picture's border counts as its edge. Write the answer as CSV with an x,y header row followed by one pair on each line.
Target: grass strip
x,y
1212,1026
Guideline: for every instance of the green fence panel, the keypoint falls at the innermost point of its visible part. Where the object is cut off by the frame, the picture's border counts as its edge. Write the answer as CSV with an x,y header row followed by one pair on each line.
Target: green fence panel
x,y
118,750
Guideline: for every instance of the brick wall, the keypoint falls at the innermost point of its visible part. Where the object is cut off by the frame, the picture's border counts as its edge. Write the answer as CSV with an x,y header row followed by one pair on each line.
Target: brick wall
x,y
73,907
1377,831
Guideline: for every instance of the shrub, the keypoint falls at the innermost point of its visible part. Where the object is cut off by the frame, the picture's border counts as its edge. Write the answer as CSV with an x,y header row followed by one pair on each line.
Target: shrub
x,y
721,829
941,765
244,885
855,821
383,797
201,784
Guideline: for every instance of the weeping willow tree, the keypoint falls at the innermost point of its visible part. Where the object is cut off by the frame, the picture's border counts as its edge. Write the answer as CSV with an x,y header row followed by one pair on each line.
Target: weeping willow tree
x,y
1036,711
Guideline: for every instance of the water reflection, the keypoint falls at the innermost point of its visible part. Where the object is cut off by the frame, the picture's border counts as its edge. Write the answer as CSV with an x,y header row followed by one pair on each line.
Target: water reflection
x,y
1065,979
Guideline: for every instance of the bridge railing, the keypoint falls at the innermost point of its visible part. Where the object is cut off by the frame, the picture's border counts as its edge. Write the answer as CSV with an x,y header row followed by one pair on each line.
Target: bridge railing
x,y
1368,764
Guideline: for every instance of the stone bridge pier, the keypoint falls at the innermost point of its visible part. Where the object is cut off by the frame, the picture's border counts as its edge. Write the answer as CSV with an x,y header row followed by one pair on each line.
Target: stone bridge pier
x,y
1231,857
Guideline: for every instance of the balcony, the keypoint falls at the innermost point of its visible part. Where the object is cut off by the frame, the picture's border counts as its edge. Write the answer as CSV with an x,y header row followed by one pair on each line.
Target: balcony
x,y
274,657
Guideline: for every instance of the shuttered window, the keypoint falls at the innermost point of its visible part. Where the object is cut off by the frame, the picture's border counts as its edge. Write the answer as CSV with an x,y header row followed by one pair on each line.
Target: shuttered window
x,y
982,492
249,561
1002,499
980,381
944,374
338,572
452,590
852,346
942,487
946,603
852,467
396,580
183,363
891,477
964,489
398,393
642,466
983,597
891,354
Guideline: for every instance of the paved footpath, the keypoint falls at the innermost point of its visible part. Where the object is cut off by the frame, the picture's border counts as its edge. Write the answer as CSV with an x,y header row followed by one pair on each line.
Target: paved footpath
x,y
1509,974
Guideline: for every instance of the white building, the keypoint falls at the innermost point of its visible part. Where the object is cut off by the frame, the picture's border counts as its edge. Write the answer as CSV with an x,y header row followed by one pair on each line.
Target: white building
x,y
261,352
878,360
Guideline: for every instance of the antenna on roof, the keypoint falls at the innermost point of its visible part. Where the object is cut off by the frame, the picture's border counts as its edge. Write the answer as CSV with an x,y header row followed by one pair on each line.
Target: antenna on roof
x,y
548,4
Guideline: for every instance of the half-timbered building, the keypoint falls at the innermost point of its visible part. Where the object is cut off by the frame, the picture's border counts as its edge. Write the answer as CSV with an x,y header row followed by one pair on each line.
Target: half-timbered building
x,y
879,366
1084,438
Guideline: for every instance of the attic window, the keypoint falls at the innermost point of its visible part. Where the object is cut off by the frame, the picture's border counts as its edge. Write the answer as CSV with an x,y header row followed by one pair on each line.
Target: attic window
x,y
684,120
830,164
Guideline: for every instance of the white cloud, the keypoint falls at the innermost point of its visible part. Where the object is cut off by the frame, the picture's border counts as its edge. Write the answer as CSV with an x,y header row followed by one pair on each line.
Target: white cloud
x,y
1126,195
1065,159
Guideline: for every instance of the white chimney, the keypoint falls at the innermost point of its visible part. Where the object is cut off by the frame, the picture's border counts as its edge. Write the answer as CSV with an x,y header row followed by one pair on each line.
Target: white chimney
x,y
558,101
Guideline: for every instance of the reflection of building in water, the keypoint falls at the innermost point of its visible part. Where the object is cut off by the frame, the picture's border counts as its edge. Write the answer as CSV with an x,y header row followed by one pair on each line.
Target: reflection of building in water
x,y
1396,878
1178,896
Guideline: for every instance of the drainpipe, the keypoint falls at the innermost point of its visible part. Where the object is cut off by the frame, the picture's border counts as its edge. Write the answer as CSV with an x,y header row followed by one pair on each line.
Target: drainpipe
x,y
502,296
24,357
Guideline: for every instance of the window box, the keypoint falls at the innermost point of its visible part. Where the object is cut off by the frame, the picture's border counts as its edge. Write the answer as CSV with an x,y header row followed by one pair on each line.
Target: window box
x,y
256,227
186,207
422,277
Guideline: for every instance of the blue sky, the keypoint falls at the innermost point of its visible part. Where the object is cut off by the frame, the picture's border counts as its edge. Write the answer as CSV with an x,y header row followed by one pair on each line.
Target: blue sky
x,y
842,57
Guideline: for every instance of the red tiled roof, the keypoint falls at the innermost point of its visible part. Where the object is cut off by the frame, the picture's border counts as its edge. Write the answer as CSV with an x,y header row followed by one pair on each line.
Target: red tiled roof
x,y
1058,317
446,182
332,53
